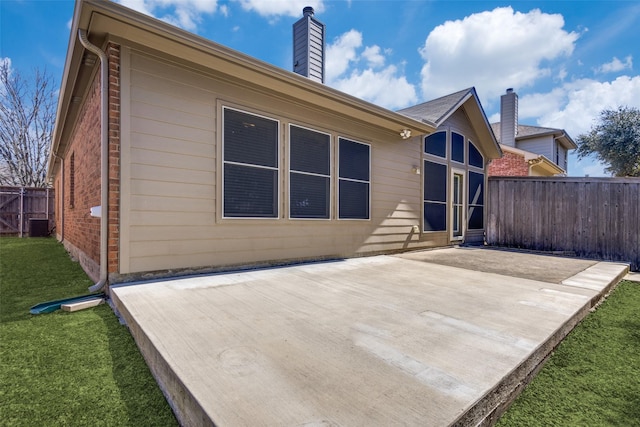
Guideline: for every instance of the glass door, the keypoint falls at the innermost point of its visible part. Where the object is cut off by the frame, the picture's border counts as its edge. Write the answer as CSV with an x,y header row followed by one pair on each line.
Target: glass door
x,y
457,206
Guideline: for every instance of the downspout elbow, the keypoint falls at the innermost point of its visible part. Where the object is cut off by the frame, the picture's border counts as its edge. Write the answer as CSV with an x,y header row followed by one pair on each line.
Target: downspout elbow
x,y
104,158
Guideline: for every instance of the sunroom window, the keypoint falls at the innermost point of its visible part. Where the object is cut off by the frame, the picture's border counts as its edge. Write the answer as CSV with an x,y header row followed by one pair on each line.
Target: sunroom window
x,y
354,180
309,173
476,201
457,147
436,144
475,157
435,196
250,165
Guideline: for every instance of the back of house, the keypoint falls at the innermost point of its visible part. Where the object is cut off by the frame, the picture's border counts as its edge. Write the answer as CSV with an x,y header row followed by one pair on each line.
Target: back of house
x,y
215,160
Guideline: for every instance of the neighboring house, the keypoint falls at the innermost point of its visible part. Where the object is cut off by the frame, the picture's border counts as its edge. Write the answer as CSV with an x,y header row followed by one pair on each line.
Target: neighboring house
x,y
528,150
195,157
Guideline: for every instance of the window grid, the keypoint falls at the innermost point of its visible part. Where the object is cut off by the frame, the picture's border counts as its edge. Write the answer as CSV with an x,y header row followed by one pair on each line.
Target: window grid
x,y
435,198
229,165
346,183
295,173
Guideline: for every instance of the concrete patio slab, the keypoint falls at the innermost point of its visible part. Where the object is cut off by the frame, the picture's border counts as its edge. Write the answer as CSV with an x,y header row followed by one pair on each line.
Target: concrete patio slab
x,y
508,262
384,340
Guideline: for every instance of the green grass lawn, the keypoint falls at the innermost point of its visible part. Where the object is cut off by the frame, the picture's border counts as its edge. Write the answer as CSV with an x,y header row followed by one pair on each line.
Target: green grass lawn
x,y
66,369
593,378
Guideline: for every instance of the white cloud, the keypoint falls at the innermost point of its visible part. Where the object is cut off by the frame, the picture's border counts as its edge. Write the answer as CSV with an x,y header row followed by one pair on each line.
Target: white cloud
x,y
373,56
186,14
272,8
595,169
341,53
493,50
384,87
381,86
616,65
576,105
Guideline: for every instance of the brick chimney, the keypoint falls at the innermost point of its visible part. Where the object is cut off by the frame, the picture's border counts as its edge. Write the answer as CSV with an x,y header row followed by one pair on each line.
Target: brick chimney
x,y
308,46
509,118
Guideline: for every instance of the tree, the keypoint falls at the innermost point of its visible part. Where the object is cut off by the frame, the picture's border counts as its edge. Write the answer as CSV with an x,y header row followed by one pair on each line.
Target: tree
x,y
27,117
615,140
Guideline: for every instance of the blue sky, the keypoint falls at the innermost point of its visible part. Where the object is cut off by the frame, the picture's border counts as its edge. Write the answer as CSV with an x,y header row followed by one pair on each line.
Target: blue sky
x,y
567,60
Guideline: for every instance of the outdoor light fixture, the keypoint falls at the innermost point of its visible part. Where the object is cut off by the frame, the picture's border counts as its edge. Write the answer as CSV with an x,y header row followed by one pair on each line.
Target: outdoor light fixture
x,y
416,170
405,133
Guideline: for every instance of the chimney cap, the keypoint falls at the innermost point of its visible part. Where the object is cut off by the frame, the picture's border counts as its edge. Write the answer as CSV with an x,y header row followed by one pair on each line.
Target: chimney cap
x,y
308,11
510,90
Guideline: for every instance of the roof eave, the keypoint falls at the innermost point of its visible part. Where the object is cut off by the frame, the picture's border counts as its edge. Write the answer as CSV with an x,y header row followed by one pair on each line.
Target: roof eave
x,y
104,20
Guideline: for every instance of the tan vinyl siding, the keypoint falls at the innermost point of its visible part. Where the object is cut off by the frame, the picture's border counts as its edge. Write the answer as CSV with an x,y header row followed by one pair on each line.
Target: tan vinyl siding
x,y
170,197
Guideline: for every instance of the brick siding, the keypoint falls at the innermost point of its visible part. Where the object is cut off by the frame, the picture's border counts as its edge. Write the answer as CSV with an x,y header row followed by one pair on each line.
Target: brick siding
x,y
113,53
510,164
81,230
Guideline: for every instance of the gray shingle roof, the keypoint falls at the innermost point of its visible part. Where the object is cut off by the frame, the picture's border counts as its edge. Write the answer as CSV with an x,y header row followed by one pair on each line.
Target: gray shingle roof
x,y
436,110
526,130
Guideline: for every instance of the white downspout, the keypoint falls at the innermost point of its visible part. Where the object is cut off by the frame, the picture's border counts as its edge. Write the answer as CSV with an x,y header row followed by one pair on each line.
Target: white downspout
x,y
61,195
104,158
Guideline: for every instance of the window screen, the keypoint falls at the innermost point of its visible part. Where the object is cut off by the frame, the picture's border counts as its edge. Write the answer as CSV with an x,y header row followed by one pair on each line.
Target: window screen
x,y
309,175
476,201
250,165
475,157
436,144
354,180
457,147
435,196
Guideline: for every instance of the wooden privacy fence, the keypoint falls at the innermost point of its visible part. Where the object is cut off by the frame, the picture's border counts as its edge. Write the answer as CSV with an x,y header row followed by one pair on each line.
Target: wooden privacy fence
x,y
589,217
22,210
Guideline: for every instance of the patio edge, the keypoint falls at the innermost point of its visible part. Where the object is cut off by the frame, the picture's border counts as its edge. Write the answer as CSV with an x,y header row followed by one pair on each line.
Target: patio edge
x,y
601,277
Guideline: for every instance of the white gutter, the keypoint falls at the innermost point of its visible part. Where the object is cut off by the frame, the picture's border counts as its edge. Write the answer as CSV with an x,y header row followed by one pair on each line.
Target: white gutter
x,y
104,158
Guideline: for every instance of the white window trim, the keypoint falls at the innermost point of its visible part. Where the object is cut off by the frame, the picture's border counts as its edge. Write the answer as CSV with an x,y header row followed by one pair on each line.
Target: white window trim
x,y
289,171
338,179
224,162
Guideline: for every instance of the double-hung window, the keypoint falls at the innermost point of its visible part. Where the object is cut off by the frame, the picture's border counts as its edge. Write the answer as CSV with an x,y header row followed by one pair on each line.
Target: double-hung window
x,y
354,179
309,173
250,165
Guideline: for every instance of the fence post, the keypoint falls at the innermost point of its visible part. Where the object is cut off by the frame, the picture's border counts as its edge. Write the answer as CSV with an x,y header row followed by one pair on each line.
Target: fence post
x,y
21,212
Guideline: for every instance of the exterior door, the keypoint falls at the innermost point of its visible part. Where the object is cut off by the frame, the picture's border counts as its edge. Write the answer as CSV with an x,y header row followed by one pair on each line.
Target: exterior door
x,y
457,205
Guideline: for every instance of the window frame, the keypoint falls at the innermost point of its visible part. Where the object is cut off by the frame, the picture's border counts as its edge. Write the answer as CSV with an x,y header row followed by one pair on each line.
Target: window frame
x,y
482,203
446,194
446,145
290,171
463,174
468,162
464,148
339,179
277,169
